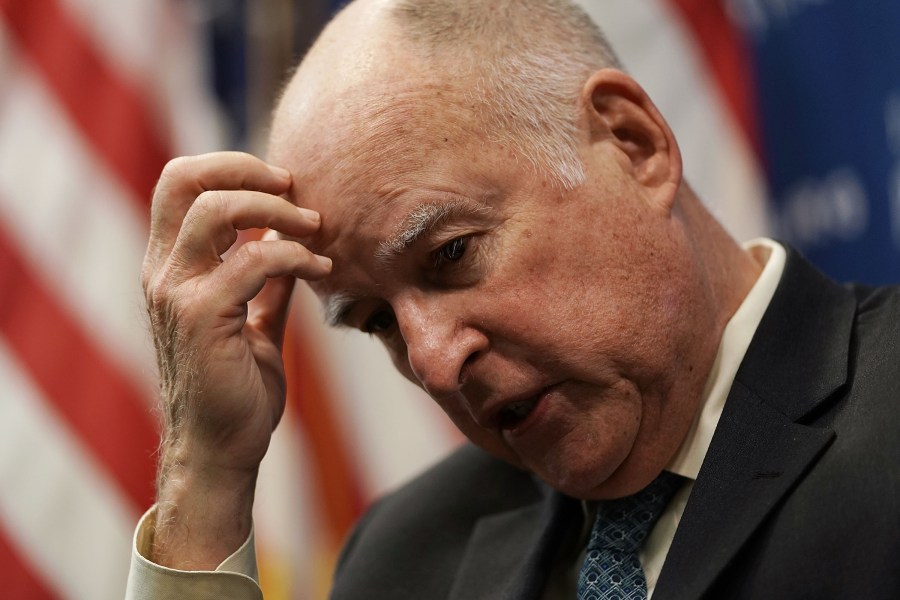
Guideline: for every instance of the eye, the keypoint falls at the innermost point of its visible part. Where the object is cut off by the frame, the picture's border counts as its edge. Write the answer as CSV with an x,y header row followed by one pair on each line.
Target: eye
x,y
451,251
379,322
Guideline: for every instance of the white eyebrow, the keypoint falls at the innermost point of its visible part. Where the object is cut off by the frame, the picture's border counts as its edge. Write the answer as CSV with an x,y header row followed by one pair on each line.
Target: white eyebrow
x,y
416,224
336,308
423,219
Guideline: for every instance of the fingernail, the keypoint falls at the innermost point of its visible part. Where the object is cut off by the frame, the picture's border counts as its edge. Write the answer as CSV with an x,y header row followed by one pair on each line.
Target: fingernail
x,y
279,172
309,214
324,261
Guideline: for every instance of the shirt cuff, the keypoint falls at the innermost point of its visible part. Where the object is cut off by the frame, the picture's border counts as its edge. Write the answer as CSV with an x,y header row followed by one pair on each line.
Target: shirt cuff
x,y
236,578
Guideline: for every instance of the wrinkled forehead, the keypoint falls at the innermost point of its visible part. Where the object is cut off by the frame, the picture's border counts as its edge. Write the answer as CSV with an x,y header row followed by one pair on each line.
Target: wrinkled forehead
x,y
370,124
359,147
364,170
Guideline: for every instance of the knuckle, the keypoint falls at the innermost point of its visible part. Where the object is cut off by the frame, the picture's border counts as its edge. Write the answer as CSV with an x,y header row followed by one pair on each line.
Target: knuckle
x,y
174,177
172,307
297,254
300,253
250,253
161,287
157,293
210,202
176,170
146,275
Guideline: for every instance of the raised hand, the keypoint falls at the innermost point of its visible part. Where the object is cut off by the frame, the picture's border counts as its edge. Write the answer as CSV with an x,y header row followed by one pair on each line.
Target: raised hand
x,y
218,319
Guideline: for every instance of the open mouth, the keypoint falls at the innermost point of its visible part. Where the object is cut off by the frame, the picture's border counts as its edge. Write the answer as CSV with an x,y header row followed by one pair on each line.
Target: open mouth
x,y
512,414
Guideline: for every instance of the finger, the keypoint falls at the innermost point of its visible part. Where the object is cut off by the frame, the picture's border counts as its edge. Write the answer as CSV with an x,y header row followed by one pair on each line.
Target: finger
x,y
211,225
243,274
185,178
268,311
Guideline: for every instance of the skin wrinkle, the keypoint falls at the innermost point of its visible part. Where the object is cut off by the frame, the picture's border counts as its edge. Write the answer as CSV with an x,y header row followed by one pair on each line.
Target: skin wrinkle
x,y
596,285
387,118
421,222
422,219
599,291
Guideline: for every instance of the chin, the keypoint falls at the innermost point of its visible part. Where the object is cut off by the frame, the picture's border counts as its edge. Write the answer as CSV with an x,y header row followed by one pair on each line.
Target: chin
x,y
585,482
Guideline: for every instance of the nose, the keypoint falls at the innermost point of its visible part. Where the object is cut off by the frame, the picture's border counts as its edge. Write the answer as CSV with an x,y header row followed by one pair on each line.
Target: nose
x,y
441,345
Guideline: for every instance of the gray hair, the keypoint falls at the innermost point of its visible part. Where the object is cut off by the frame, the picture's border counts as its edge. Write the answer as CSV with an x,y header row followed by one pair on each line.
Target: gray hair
x,y
530,59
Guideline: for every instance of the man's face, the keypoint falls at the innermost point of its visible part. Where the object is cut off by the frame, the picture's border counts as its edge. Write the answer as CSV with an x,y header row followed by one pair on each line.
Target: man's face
x,y
548,324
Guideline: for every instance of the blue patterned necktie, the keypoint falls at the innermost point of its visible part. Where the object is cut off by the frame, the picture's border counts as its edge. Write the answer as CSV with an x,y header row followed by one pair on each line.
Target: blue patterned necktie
x,y
611,569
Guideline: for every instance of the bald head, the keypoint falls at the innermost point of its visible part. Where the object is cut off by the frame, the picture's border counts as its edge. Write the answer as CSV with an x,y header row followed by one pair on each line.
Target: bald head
x,y
486,283
508,71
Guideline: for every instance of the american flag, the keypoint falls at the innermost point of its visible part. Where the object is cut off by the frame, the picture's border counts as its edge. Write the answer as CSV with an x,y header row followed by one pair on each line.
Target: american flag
x,y
95,96
86,92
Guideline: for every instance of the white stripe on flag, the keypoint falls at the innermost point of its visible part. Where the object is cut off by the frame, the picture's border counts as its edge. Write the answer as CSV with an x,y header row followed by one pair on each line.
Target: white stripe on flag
x,y
127,33
70,219
66,518
152,44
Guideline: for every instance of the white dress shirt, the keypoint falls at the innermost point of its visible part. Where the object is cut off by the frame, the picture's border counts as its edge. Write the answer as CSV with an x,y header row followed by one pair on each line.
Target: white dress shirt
x,y
236,578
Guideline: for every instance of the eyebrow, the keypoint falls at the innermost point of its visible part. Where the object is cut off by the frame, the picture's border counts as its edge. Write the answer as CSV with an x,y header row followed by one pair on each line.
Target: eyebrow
x,y
336,307
423,220
420,222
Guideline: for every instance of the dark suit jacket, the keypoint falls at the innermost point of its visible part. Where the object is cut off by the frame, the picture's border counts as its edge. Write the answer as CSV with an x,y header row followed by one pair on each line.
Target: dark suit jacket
x,y
798,497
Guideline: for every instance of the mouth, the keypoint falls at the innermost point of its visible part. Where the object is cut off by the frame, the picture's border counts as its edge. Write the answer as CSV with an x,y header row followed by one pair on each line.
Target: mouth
x,y
511,415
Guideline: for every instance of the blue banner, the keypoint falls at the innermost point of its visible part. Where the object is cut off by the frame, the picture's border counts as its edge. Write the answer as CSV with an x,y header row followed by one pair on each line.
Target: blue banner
x,y
828,83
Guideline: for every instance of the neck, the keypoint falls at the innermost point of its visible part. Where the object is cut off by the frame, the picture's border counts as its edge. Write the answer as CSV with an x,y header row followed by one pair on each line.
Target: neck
x,y
727,270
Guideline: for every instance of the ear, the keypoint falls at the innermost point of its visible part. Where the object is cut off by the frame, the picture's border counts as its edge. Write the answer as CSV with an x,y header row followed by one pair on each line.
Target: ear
x,y
619,112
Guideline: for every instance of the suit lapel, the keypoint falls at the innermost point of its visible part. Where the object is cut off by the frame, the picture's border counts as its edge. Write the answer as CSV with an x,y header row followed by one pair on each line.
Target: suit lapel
x,y
734,493
510,554
762,448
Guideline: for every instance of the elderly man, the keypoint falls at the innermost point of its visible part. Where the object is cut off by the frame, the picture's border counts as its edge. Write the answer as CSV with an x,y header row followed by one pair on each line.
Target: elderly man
x,y
652,408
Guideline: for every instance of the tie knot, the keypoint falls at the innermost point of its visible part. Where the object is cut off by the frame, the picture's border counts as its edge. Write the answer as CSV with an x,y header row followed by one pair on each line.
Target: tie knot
x,y
623,524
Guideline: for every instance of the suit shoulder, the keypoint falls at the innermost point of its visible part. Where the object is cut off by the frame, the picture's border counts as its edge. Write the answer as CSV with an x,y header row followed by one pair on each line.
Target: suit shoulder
x,y
468,481
428,522
878,304
877,332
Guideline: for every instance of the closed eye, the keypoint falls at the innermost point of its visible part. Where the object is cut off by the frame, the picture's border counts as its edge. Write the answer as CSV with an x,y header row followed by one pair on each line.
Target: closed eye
x,y
379,322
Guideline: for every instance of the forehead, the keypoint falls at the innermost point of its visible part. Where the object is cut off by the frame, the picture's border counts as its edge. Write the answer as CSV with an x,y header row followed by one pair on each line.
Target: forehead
x,y
364,147
380,204
380,182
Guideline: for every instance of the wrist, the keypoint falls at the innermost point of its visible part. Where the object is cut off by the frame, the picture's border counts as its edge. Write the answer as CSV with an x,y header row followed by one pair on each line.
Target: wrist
x,y
203,515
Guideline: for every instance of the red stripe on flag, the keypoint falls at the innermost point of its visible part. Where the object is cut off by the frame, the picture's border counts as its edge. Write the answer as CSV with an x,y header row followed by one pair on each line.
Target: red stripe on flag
x,y
725,52
337,482
110,114
104,408
19,581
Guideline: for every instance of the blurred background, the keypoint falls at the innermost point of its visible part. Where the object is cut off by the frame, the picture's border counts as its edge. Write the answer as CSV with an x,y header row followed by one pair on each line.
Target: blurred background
x,y
788,113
